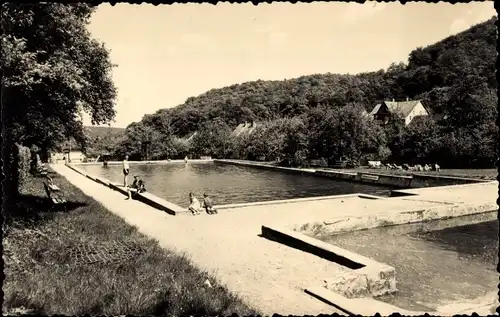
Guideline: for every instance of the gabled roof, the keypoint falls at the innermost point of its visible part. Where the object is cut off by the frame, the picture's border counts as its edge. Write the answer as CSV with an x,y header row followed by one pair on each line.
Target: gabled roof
x,y
402,107
376,109
244,128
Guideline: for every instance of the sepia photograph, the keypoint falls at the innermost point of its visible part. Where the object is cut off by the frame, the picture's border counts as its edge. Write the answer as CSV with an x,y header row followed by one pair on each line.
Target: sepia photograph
x,y
250,159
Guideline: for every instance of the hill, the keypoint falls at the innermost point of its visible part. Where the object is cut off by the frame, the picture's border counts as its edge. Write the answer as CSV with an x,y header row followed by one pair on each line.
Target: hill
x,y
94,131
455,78
429,72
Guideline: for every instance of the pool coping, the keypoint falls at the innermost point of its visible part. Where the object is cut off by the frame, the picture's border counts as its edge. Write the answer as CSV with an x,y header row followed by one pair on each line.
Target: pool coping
x,y
368,177
145,197
372,279
155,162
296,200
383,219
366,306
173,209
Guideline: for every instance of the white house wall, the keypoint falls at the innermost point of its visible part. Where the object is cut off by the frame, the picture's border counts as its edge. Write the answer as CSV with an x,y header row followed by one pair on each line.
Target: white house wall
x,y
418,110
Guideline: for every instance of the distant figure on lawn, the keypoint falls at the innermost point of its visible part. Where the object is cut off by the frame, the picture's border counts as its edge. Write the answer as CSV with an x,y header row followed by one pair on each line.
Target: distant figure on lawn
x,y
185,159
437,168
194,206
126,171
208,205
138,185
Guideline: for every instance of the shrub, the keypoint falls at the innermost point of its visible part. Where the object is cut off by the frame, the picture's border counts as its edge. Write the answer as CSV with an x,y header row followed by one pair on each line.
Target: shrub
x,y
16,170
23,164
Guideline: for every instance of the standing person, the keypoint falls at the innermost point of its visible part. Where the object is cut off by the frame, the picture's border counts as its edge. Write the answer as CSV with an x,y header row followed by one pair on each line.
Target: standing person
x,y
194,206
126,170
208,205
185,159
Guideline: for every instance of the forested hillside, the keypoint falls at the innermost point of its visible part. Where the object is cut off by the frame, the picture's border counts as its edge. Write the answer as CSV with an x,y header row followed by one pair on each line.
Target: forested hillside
x,y
102,131
454,77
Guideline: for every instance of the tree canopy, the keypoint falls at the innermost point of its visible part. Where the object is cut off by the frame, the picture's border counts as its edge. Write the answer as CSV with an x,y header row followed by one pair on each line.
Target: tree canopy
x,y
53,70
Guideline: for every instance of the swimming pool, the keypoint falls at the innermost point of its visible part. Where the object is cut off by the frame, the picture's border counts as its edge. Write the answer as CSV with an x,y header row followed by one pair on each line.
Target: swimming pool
x,y
437,263
229,184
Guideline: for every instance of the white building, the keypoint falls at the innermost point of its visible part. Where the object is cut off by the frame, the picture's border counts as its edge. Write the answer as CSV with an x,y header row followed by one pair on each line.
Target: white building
x,y
408,110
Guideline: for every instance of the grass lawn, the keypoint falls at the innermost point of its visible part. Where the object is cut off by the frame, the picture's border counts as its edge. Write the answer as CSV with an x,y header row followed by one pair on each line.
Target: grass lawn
x,y
43,275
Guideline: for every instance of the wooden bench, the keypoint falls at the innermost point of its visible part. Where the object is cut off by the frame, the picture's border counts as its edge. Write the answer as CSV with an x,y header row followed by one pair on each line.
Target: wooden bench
x,y
53,187
41,170
56,196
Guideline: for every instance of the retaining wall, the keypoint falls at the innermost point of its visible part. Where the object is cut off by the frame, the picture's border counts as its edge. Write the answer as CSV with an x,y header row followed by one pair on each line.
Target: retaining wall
x,y
422,180
384,219
367,277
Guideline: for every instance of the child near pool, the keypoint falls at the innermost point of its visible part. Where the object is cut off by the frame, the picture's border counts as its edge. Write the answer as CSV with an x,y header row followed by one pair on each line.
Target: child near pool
x,y
208,205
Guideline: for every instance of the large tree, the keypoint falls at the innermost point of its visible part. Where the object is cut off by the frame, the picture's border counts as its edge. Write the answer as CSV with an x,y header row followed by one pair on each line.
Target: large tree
x,y
53,71
344,132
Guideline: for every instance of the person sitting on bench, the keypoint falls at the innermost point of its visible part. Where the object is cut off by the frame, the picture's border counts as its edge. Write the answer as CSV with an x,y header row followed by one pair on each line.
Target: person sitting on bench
x,y
137,186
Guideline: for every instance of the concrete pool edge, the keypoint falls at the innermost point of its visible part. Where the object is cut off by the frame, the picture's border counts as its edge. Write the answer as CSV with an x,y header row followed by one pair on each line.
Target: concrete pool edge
x,y
174,209
366,306
367,277
146,197
384,219
157,162
296,200
368,177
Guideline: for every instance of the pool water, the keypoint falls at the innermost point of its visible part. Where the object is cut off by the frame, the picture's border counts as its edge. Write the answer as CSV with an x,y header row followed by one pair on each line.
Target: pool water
x,y
455,263
229,184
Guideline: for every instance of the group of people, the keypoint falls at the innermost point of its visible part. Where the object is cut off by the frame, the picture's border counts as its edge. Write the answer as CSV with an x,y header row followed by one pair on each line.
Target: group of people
x,y
195,205
139,186
418,167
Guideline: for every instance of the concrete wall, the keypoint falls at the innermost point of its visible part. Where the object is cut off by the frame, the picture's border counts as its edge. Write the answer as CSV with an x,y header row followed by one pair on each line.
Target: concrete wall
x,y
366,276
398,181
420,180
378,179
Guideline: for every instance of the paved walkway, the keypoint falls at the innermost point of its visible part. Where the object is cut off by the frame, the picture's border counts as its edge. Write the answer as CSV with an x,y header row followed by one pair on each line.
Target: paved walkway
x,y
269,276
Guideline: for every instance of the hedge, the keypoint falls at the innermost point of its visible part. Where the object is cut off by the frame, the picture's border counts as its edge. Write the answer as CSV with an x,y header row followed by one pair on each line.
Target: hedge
x,y
23,164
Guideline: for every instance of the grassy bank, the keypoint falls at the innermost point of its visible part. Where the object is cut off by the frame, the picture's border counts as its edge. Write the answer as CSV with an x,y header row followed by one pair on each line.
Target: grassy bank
x,y
84,259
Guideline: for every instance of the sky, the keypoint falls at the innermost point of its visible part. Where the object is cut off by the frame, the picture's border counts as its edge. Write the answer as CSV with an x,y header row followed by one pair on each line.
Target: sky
x,y
168,53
